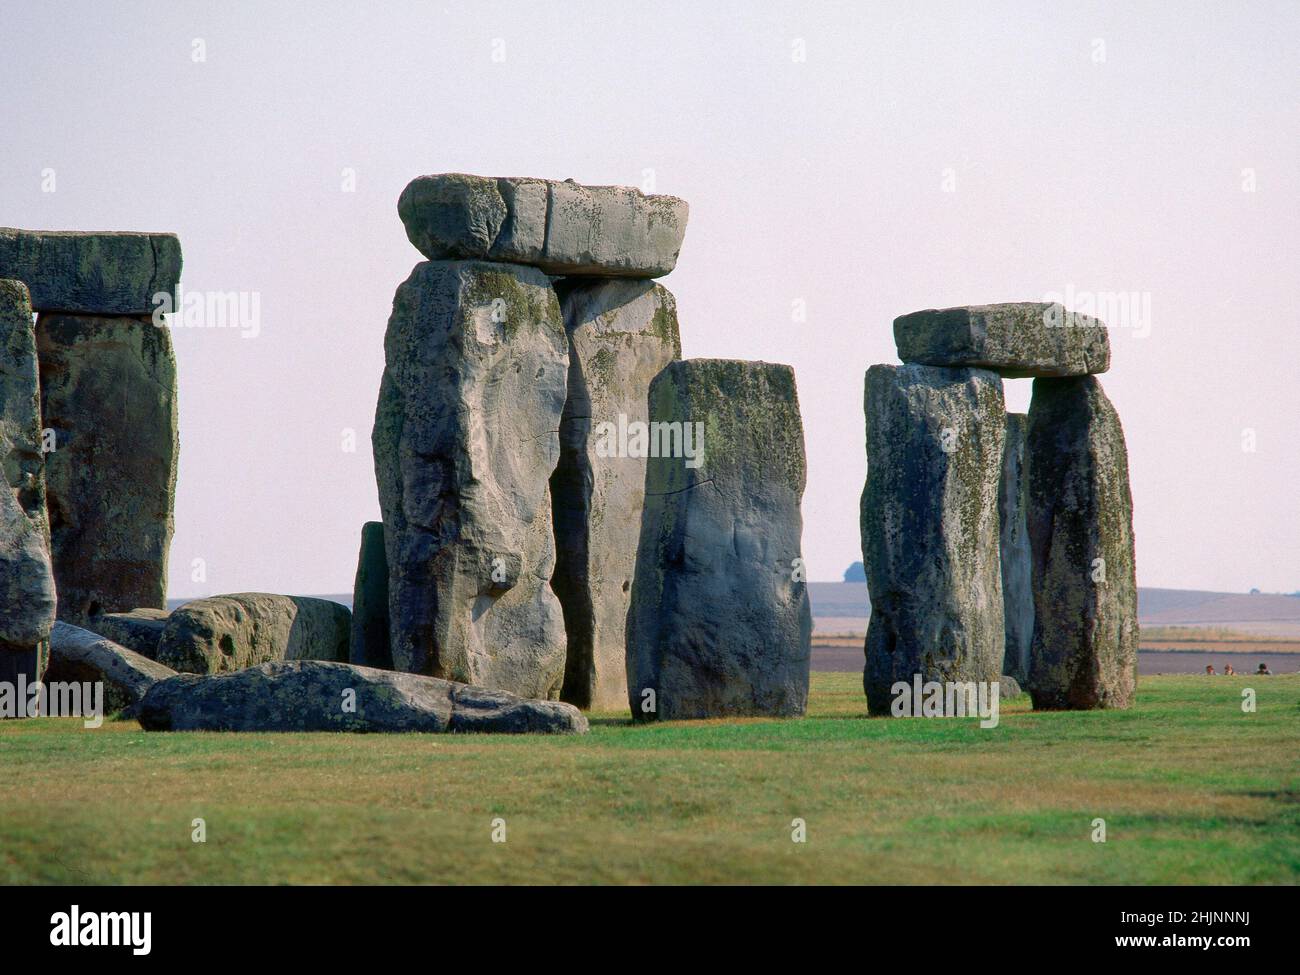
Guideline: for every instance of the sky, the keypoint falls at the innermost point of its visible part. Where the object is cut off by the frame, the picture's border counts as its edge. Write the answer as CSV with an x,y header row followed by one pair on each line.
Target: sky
x,y
845,163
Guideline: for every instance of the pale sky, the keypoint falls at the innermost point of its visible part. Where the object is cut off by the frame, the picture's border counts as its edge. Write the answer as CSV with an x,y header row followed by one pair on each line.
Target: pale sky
x,y
865,160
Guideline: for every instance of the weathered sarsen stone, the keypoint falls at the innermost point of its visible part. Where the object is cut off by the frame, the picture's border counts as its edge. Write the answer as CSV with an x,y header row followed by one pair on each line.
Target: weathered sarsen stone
x,y
27,601
560,227
225,633
79,656
466,438
1017,564
1016,339
137,629
319,696
930,527
1080,515
719,622
370,646
108,394
91,273
622,333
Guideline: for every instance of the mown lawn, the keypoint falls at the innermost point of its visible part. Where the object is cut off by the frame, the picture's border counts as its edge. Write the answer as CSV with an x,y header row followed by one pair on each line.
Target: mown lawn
x,y
1192,791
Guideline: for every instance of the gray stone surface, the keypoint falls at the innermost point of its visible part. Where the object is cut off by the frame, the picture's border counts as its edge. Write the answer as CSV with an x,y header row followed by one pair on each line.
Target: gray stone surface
x,y
466,438
108,393
930,527
1080,515
1008,687
27,601
77,655
720,623
91,273
225,633
621,335
137,629
319,696
370,646
1016,339
560,227
1017,565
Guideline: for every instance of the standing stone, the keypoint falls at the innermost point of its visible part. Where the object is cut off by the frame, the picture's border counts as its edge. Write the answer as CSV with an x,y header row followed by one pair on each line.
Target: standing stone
x,y
720,622
108,393
370,646
466,439
27,601
930,527
1017,565
1080,515
622,333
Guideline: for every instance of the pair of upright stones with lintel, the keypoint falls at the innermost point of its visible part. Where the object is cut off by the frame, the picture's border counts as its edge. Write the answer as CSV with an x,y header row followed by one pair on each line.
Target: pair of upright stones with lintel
x,y
995,543
569,509
87,432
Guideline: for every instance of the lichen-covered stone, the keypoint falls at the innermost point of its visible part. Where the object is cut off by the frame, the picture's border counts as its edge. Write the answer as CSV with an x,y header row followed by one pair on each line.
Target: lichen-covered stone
x,y
319,696
622,334
27,601
560,227
930,527
1017,565
1016,339
466,439
80,656
138,629
108,395
91,273
370,646
225,633
719,622
1080,516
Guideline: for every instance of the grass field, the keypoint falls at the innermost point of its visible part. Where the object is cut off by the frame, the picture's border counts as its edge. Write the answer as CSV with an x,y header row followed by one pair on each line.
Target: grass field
x,y
1192,791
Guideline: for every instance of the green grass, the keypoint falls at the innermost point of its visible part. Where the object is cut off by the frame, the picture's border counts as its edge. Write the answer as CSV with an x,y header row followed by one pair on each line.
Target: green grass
x,y
1192,791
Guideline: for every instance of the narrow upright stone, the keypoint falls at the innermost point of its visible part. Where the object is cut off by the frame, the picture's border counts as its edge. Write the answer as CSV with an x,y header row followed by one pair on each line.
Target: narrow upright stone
x,y
930,527
27,601
91,273
720,623
622,333
466,439
1016,339
108,394
1017,564
1080,515
370,646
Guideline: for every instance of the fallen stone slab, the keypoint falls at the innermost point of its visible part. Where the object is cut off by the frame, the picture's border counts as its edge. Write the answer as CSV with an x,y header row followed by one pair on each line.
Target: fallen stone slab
x,y
322,696
79,656
719,624
560,227
370,643
466,438
621,335
1016,340
225,633
1017,563
139,629
27,595
1008,687
108,399
930,527
1080,518
91,273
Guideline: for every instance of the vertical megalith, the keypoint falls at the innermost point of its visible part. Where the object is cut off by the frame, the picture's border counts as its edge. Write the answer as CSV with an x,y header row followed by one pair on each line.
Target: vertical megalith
x,y
1017,587
108,400
719,622
27,601
1080,518
466,439
370,647
930,527
622,333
